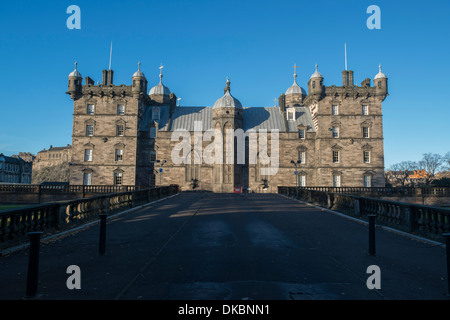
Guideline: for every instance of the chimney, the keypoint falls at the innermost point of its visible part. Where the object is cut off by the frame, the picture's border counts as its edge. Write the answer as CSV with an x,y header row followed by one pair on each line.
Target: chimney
x,y
110,76
104,77
345,78
350,78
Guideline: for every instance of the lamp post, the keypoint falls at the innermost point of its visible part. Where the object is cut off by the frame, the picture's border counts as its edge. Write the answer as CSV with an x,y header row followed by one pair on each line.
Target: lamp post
x,y
161,172
296,172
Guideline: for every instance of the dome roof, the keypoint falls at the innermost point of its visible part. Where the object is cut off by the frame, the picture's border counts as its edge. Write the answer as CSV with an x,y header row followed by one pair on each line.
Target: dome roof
x,y
380,74
160,89
75,72
227,101
139,73
316,74
295,88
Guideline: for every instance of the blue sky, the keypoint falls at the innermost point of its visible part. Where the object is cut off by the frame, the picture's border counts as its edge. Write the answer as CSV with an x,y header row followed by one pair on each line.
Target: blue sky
x,y
200,43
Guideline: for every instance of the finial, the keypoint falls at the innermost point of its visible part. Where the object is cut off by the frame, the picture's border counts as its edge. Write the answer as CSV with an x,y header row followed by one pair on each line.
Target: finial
x,y
316,66
139,66
160,72
178,101
295,71
227,88
276,100
76,64
379,67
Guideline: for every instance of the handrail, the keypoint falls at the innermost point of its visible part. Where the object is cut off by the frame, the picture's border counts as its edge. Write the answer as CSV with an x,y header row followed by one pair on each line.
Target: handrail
x,y
56,216
427,221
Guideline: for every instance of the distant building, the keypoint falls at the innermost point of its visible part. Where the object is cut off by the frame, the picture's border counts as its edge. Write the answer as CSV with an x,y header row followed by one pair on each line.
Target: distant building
x,y
52,157
14,170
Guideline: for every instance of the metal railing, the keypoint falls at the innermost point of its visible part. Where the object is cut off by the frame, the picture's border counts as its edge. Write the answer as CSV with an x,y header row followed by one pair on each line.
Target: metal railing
x,y
54,217
427,221
385,191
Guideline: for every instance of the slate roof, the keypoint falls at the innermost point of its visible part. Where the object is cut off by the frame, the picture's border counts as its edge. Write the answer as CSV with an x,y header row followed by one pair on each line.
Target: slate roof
x,y
257,118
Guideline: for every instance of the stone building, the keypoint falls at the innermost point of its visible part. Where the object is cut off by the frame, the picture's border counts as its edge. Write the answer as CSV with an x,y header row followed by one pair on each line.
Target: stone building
x,y
52,157
328,136
14,170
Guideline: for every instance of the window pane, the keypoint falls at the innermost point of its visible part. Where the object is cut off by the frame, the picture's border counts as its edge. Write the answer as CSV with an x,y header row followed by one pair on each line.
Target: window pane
x,y
117,178
301,134
335,131
366,156
153,156
336,181
302,157
90,109
335,156
120,109
367,181
365,110
88,155
119,154
365,132
87,179
302,181
120,130
334,110
89,130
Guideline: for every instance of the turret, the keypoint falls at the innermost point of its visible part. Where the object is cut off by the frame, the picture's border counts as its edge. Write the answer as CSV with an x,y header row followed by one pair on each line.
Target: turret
x,y
160,93
315,84
381,85
75,84
139,83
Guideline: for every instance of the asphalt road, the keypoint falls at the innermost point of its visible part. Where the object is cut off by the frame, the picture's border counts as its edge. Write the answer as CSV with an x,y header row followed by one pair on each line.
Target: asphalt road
x,y
231,246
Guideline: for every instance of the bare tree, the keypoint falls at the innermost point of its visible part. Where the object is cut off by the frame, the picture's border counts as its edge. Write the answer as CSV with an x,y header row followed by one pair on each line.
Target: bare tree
x,y
430,162
446,160
401,171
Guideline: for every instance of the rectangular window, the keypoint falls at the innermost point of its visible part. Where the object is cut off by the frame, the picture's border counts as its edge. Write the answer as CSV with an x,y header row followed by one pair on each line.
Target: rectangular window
x,y
365,110
152,156
155,114
301,134
365,132
152,132
335,132
302,157
366,156
302,181
87,179
335,110
89,130
336,181
119,130
119,155
367,181
117,179
152,180
87,154
335,156
291,115
120,109
91,109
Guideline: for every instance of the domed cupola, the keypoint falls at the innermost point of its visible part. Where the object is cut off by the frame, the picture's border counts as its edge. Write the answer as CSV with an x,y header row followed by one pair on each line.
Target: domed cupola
x,y
139,82
75,84
315,84
227,101
295,94
75,73
380,75
160,89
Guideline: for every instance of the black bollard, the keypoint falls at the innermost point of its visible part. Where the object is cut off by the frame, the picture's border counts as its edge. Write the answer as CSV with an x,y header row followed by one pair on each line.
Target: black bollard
x,y
371,234
447,251
102,242
33,265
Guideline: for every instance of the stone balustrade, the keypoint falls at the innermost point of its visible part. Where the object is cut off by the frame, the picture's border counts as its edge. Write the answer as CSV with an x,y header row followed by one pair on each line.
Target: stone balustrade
x,y
57,216
426,221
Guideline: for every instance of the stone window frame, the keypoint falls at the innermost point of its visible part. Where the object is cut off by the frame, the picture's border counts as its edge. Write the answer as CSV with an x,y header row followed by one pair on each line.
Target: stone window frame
x,y
121,104
335,128
156,111
120,123
89,146
290,111
153,130
338,175
90,123
301,131
302,150
304,175
368,125
153,153
90,103
118,177
368,174
119,146
365,109
334,111
336,149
